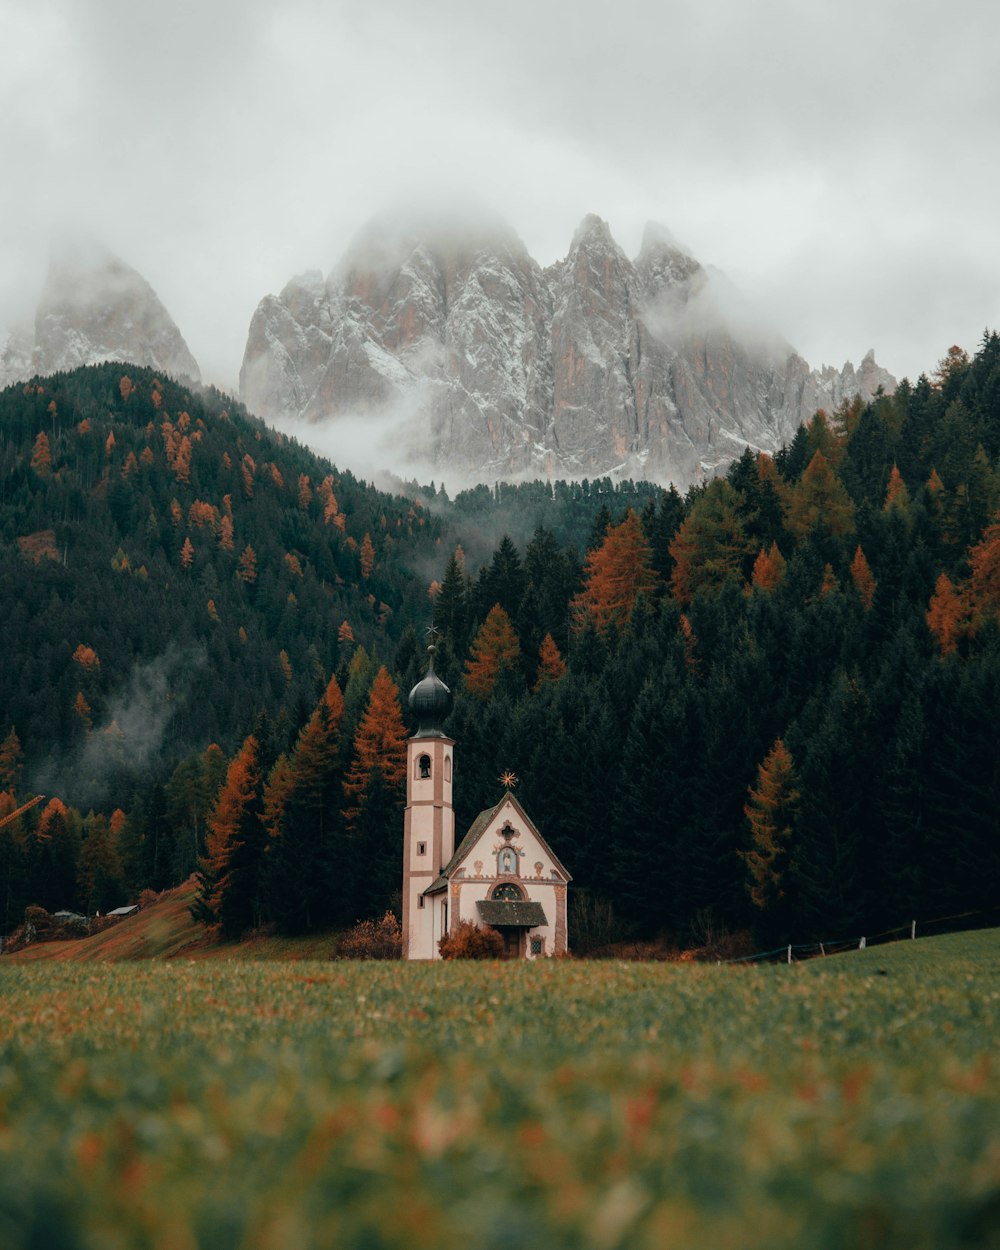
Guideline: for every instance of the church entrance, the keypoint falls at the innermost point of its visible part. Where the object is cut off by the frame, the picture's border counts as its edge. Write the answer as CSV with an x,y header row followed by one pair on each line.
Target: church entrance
x,y
513,940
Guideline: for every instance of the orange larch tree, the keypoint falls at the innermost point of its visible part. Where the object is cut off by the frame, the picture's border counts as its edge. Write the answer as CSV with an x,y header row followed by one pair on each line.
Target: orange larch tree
x,y
711,544
820,500
187,554
379,743
615,573
41,456
768,569
229,876
771,811
374,792
367,556
947,615
864,581
984,573
551,665
495,649
246,570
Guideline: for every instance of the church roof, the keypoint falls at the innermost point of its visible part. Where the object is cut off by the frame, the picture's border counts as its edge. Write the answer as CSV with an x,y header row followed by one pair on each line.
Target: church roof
x,y
476,831
518,913
430,699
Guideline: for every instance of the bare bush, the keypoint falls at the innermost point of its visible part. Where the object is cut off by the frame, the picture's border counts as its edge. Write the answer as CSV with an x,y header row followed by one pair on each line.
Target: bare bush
x,y
372,939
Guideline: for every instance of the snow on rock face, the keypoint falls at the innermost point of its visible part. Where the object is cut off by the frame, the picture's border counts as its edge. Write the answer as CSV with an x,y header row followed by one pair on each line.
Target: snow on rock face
x,y
489,365
95,308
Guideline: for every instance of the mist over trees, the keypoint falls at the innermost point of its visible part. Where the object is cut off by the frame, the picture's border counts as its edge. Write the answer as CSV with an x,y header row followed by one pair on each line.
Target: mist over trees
x,y
771,704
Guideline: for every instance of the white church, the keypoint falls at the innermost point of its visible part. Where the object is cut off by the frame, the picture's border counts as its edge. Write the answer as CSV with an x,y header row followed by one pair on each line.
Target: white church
x,y
503,875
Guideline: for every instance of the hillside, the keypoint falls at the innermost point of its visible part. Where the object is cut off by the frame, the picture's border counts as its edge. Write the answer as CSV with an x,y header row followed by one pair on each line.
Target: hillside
x,y
171,568
770,705
165,930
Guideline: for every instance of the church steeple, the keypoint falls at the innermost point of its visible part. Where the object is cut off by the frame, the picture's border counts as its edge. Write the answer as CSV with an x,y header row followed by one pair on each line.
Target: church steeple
x,y
429,820
430,699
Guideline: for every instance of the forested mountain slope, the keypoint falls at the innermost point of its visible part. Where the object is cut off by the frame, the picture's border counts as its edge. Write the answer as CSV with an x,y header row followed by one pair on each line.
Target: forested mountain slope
x,y
773,702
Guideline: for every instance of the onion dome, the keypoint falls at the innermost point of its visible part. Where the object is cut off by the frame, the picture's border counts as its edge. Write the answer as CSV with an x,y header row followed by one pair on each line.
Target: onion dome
x,y
430,700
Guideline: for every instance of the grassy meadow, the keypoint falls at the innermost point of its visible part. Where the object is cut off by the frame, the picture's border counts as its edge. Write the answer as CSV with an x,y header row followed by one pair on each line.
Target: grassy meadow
x,y
844,1103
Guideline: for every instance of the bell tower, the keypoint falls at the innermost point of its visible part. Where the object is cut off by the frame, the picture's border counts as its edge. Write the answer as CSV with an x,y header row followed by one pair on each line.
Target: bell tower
x,y
429,820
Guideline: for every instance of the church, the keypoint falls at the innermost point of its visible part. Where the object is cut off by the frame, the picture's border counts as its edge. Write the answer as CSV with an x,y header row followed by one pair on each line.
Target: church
x,y
503,875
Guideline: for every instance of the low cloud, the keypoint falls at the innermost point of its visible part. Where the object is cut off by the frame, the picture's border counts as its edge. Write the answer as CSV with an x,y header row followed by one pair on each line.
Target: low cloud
x,y
132,735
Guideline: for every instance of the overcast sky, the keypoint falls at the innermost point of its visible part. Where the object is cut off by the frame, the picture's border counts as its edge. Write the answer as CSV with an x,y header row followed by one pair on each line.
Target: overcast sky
x,y
837,160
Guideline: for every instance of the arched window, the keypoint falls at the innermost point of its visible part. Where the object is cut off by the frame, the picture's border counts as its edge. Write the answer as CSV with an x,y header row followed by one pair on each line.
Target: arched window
x,y
424,767
447,768
507,862
508,893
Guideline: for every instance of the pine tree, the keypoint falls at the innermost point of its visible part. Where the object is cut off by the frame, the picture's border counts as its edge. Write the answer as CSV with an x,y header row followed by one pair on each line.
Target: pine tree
x,y
11,762
450,605
495,650
302,815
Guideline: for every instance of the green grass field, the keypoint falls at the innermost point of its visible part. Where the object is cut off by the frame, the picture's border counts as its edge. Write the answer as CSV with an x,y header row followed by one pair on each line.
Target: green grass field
x,y
845,1103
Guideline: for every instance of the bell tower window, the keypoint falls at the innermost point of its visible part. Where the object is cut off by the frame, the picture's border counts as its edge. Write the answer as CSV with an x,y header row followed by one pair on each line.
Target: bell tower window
x,y
424,767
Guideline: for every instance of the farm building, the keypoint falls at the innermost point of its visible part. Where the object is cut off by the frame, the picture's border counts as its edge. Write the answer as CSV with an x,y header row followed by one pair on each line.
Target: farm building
x,y
503,875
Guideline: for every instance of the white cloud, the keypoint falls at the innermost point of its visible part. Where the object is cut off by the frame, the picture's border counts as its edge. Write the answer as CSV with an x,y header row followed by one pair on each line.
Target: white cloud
x,y
836,161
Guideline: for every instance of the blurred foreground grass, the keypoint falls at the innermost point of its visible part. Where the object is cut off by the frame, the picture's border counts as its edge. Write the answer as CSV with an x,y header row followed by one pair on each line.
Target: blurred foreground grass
x,y
846,1103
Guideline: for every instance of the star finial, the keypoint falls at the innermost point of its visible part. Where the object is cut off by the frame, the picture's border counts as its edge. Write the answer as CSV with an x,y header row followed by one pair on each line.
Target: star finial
x,y
508,780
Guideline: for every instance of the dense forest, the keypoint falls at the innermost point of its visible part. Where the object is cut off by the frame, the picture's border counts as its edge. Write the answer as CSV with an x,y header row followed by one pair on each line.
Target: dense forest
x,y
770,704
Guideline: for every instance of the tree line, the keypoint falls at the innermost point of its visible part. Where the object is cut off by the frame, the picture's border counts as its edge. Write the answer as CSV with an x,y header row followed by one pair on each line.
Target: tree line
x,y
771,703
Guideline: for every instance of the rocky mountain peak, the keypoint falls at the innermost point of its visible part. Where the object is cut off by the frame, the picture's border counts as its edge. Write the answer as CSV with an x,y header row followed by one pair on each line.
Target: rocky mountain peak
x,y
95,307
454,335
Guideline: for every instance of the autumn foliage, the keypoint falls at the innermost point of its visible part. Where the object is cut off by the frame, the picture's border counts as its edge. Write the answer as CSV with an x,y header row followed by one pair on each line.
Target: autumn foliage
x,y
771,811
494,650
551,665
468,941
615,574
379,744
863,579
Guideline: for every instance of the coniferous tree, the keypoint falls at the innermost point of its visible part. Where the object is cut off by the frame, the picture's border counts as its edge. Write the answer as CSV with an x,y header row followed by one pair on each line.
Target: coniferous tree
x,y
374,793
304,883
772,811
614,575
230,876
495,650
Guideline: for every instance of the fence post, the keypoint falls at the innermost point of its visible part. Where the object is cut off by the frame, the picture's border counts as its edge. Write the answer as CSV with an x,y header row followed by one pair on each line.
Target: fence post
x,y
861,945
913,930
822,950
789,952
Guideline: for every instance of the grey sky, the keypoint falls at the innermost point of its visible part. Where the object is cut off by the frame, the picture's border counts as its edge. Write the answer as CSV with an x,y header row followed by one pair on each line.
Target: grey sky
x,y
837,160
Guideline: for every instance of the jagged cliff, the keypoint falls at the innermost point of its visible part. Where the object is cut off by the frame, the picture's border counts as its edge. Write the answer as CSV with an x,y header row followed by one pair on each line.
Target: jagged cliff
x,y
94,307
487,364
